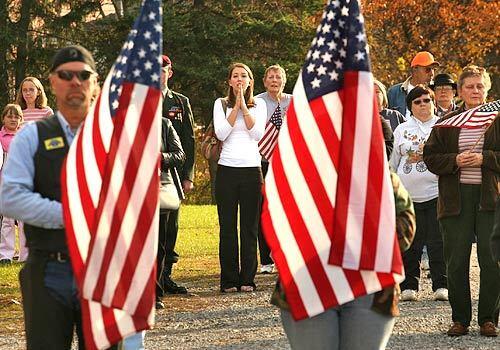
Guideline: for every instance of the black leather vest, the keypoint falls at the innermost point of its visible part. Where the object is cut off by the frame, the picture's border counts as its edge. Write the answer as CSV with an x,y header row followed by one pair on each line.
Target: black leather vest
x,y
49,157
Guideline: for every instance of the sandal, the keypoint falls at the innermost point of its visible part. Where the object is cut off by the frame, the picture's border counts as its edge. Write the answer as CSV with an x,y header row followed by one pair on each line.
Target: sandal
x,y
230,290
247,289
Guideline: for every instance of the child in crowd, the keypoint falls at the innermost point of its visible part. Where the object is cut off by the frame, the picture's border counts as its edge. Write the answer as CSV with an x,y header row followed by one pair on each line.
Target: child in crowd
x,y
11,119
33,101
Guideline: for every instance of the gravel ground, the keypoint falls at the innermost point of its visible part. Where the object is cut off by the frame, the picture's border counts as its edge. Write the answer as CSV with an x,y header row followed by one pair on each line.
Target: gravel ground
x,y
206,319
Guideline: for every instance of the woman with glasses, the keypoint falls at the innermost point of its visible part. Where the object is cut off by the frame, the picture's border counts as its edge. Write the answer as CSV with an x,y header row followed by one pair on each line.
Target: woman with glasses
x,y
406,159
32,99
467,162
445,90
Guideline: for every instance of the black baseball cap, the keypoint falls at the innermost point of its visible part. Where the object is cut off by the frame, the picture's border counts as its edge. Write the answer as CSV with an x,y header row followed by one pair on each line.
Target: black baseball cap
x,y
73,53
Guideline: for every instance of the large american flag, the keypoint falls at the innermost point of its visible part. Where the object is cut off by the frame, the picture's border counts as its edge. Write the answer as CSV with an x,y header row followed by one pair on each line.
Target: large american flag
x,y
328,191
110,189
270,138
473,118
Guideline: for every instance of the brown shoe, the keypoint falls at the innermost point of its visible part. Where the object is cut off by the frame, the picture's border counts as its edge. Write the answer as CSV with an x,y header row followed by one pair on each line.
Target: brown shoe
x,y
457,330
488,329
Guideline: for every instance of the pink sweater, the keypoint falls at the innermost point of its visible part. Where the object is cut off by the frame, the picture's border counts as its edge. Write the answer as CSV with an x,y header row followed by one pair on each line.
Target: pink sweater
x,y
6,137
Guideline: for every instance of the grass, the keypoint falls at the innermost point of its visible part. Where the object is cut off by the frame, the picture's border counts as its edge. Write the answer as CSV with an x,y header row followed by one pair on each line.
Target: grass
x,y
197,244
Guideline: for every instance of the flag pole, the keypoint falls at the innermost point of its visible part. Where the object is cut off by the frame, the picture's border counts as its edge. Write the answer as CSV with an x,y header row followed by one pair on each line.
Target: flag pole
x,y
482,135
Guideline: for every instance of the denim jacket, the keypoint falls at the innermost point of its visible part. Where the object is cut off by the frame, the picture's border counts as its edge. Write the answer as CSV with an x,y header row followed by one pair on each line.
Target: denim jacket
x,y
396,96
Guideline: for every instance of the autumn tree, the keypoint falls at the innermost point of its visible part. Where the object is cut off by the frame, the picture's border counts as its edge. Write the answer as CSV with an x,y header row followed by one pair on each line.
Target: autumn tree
x,y
457,32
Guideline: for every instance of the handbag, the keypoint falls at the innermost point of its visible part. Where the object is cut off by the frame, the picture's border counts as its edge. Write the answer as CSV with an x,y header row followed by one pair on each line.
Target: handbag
x,y
211,146
169,198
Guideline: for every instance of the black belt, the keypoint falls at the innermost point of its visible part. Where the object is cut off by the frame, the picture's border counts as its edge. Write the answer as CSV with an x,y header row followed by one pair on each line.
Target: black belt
x,y
58,256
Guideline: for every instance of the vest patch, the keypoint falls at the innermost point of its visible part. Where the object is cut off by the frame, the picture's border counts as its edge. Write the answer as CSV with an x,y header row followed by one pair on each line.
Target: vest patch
x,y
54,143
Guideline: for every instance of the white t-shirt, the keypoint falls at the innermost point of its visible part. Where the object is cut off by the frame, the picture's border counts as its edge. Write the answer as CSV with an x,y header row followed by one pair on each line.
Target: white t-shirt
x,y
240,146
410,137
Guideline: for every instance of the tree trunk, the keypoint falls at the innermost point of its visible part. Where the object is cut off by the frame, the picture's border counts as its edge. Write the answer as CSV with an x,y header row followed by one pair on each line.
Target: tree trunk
x,y
118,4
4,52
22,40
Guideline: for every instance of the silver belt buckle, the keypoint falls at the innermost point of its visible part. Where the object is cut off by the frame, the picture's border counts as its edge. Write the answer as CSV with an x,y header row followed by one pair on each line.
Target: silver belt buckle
x,y
60,258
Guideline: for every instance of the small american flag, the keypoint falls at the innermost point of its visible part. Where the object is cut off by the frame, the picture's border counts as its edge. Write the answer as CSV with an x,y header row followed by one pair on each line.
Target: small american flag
x,y
473,118
110,189
270,138
313,216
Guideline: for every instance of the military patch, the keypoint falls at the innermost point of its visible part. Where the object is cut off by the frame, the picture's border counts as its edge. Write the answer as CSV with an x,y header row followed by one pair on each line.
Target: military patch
x,y
54,143
175,113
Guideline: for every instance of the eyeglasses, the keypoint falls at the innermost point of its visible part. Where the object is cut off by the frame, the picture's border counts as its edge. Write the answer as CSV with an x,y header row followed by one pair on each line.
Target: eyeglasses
x,y
424,100
427,69
444,88
68,75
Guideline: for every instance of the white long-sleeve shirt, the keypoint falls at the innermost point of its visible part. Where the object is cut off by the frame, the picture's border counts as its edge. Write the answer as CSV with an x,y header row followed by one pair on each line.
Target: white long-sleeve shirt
x,y
409,138
239,145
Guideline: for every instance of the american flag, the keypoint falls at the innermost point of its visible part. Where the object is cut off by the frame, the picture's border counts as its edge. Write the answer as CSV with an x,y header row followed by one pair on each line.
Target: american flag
x,y
311,214
473,118
110,187
270,138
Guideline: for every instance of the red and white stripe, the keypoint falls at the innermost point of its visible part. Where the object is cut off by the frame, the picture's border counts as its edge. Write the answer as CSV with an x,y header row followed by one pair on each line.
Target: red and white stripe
x,y
110,205
301,194
470,119
269,140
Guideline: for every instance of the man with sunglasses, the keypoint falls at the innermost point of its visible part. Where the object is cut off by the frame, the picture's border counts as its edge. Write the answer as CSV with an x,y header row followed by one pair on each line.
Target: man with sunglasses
x,y
31,192
422,72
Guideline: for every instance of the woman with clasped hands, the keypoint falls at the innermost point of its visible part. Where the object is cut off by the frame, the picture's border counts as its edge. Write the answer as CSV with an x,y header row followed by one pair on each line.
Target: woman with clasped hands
x,y
239,122
467,162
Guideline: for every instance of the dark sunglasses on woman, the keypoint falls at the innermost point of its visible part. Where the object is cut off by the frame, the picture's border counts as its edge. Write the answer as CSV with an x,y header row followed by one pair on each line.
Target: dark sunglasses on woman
x,y
68,75
424,100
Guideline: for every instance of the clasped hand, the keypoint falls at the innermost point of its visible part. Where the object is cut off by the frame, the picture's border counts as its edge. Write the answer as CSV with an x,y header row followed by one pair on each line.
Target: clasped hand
x,y
240,100
469,160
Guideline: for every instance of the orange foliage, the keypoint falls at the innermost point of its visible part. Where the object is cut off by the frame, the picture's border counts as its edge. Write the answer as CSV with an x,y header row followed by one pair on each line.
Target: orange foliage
x,y
457,32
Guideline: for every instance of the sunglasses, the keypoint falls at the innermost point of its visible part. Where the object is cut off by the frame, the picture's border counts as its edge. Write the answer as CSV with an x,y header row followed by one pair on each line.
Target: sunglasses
x,y
424,100
68,75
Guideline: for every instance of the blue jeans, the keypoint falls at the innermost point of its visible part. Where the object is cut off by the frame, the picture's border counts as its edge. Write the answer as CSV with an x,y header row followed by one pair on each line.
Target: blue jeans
x,y
134,341
352,326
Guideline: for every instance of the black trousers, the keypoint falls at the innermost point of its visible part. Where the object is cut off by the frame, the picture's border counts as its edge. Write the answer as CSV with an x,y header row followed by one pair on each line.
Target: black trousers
x,y
161,257
51,312
264,251
429,234
238,187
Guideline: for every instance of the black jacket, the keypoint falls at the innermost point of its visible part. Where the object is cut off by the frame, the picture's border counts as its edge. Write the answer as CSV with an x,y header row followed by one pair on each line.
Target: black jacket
x,y
177,109
172,155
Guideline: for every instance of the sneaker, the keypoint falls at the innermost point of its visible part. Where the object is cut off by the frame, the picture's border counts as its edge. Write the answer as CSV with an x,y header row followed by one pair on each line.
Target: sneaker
x,y
441,294
267,269
409,295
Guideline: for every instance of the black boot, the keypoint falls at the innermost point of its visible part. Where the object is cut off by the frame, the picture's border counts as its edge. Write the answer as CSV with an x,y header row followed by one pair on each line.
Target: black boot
x,y
169,286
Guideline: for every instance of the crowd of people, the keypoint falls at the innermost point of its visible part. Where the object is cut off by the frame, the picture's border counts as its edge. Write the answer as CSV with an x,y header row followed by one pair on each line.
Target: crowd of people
x,y
449,174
